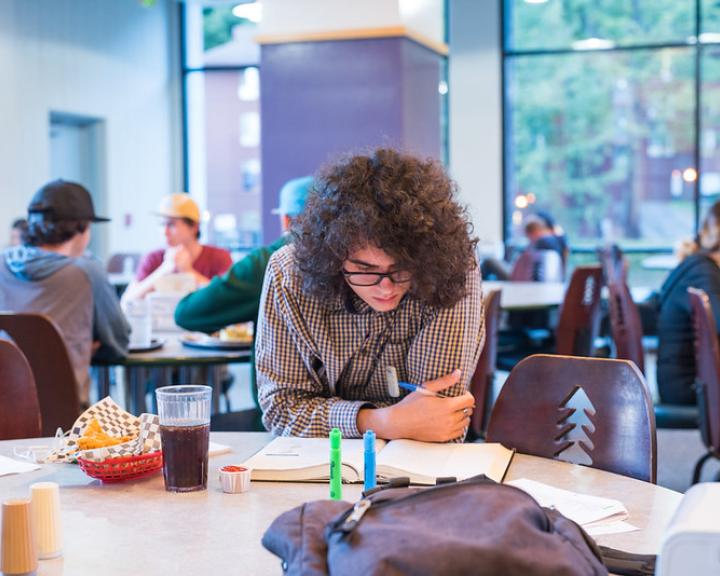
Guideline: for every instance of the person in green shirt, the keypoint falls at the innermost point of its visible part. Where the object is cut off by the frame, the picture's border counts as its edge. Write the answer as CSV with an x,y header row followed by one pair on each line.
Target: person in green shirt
x,y
235,296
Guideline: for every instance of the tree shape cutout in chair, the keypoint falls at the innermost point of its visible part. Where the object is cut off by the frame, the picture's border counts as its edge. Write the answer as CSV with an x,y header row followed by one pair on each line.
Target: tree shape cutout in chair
x,y
576,428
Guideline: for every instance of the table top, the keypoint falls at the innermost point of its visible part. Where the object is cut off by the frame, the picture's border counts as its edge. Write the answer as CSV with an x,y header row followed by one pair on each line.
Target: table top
x,y
527,295
138,528
174,353
661,262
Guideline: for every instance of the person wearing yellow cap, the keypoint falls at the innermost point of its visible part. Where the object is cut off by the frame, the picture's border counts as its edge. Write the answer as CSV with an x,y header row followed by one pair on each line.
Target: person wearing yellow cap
x,y
184,252
235,296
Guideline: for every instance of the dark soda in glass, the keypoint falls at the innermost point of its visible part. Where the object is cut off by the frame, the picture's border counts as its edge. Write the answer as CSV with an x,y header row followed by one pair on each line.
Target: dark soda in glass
x,y
185,457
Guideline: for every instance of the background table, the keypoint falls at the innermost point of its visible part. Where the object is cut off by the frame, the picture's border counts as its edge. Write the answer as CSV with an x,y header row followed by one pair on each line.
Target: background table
x,y
139,366
138,528
533,295
527,295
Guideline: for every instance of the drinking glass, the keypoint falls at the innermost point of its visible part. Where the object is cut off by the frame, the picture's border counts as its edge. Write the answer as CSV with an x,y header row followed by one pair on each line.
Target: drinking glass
x,y
185,432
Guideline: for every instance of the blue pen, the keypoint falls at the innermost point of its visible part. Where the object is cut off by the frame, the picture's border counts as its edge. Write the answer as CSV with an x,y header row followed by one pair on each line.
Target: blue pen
x,y
394,385
421,390
370,480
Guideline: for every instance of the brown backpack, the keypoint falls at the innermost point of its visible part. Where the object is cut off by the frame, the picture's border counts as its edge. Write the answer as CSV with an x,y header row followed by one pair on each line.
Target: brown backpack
x,y
470,527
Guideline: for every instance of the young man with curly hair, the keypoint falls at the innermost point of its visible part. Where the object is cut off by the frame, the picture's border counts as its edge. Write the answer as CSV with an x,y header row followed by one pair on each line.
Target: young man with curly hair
x,y
381,273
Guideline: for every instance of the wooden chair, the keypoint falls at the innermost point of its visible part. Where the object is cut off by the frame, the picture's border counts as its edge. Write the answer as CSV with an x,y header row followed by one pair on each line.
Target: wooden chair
x,y
614,264
40,340
592,411
579,321
577,327
482,380
707,379
625,324
19,407
116,262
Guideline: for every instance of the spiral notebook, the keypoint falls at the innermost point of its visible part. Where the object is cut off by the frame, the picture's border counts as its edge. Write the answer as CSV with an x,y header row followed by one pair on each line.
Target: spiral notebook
x,y
294,459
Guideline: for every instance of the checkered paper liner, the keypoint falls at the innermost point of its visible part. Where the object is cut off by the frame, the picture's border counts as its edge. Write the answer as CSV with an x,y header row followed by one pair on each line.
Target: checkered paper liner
x,y
115,422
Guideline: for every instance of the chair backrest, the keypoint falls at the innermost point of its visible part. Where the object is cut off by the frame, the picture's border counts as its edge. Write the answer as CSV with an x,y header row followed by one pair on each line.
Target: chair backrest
x,y
117,262
538,266
579,321
481,383
39,339
592,411
707,368
613,263
625,324
19,407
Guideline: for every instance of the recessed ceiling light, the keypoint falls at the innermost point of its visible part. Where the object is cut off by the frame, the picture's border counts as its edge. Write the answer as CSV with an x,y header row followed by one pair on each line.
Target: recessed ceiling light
x,y
250,11
593,44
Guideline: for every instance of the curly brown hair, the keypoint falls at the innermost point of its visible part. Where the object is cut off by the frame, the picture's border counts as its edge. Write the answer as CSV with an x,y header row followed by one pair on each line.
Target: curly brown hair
x,y
399,203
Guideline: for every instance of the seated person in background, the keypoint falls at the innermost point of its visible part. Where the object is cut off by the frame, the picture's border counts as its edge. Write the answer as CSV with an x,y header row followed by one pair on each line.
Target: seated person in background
x,y
46,275
184,253
381,272
17,230
558,232
235,296
676,353
540,237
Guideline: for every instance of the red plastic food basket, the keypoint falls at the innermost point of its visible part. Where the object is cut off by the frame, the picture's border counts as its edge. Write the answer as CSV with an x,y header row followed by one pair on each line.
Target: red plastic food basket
x,y
123,468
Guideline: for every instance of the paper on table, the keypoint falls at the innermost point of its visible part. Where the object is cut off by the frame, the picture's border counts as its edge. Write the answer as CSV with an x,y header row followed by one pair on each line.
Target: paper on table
x,y
10,466
613,528
214,449
581,508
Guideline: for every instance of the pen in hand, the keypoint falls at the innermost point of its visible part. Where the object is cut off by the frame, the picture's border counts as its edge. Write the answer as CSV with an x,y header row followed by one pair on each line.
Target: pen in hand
x,y
420,390
394,385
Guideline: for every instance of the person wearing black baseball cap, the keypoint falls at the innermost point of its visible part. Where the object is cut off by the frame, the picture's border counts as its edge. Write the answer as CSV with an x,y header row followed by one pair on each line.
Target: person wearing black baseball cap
x,y
51,273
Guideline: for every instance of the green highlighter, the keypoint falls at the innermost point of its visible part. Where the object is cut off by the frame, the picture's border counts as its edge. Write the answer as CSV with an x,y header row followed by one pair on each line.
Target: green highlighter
x,y
335,463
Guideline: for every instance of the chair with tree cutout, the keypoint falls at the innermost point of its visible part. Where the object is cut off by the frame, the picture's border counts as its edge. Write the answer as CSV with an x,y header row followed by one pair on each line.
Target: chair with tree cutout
x,y
592,411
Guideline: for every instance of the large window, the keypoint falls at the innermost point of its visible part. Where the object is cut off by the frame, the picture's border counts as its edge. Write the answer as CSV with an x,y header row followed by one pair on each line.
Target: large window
x,y
222,111
612,118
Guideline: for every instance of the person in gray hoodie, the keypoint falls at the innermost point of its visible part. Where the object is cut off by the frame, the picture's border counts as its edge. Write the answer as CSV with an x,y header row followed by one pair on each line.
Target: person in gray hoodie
x,y
52,273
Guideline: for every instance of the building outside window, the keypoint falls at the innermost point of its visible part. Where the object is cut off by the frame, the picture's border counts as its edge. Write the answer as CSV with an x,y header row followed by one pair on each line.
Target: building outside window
x,y
222,120
611,119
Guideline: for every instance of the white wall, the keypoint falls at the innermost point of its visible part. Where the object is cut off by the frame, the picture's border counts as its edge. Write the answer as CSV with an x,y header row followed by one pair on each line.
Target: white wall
x,y
110,59
307,16
475,112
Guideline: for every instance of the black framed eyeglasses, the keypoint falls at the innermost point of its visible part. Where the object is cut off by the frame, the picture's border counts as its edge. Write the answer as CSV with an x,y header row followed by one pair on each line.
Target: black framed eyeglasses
x,y
374,278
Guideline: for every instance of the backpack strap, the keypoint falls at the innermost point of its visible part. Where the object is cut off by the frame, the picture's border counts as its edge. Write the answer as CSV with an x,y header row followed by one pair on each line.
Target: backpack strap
x,y
627,563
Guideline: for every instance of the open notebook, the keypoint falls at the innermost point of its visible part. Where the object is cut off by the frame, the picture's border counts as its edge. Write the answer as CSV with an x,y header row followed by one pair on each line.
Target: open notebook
x,y
307,459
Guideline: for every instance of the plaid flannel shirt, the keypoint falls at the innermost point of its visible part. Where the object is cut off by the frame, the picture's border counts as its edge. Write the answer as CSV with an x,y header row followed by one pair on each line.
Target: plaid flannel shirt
x,y
320,361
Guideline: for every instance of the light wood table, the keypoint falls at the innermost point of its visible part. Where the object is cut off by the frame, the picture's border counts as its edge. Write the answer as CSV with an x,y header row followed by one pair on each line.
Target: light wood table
x,y
138,528
533,295
527,295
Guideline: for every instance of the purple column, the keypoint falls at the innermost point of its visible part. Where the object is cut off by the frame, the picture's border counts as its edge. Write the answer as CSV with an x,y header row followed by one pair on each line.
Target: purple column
x,y
320,100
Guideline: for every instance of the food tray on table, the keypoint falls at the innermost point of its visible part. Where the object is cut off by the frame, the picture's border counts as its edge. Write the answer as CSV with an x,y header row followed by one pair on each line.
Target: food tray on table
x,y
124,467
206,342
